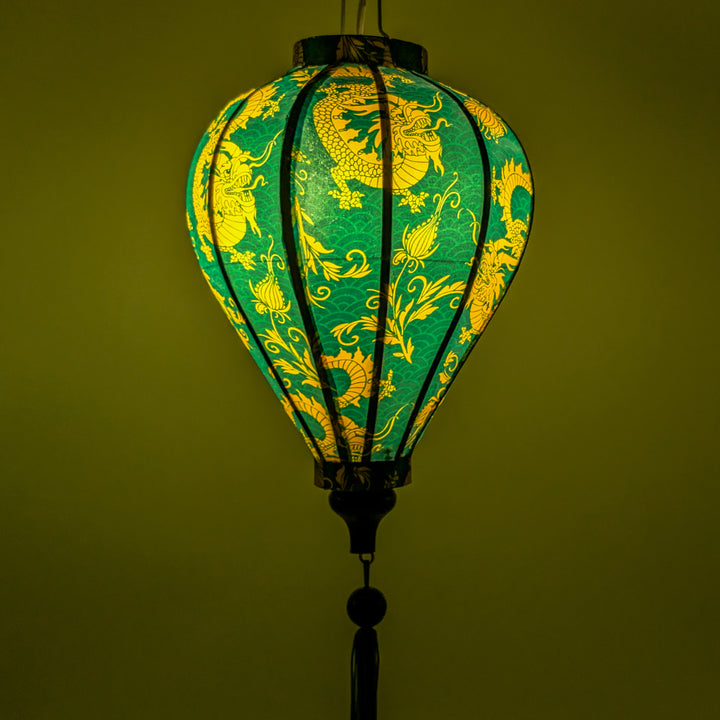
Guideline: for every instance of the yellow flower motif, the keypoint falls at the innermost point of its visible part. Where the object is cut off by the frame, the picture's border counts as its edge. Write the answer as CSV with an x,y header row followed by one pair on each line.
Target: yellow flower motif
x,y
269,297
246,259
298,156
466,335
419,244
386,386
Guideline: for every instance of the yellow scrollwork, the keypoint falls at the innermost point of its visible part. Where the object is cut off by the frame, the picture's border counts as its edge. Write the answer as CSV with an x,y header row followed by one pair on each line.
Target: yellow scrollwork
x,y
422,294
418,245
450,365
312,253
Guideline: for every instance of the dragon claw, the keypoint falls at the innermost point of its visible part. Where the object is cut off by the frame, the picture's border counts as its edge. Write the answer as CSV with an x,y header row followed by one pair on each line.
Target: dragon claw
x,y
348,199
414,202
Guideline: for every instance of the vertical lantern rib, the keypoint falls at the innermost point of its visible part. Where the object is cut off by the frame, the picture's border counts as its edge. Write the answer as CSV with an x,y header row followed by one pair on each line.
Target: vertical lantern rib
x,y
386,251
288,236
231,289
474,269
469,350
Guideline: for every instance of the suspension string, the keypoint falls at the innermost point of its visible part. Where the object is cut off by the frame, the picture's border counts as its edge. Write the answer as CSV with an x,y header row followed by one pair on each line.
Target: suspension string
x,y
361,17
360,26
380,27
366,567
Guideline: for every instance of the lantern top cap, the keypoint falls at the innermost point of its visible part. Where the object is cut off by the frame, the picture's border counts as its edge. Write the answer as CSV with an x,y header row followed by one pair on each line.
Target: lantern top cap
x,y
362,49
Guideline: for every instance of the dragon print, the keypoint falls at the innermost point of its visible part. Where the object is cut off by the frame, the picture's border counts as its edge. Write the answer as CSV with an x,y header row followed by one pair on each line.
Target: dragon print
x,y
234,206
415,141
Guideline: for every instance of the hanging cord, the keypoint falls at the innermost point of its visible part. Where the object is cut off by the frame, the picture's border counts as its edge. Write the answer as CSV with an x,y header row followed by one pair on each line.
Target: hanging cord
x,y
366,608
361,17
380,27
366,567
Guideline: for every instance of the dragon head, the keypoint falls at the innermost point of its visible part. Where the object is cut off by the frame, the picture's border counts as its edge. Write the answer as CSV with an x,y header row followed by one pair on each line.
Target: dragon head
x,y
413,130
234,172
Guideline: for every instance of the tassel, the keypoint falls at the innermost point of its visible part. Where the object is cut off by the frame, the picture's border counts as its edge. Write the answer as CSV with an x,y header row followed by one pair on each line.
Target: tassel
x,y
364,671
366,608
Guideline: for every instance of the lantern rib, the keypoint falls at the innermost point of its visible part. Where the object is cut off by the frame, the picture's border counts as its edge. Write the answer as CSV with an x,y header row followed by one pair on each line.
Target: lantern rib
x,y
474,269
385,254
288,236
469,350
231,289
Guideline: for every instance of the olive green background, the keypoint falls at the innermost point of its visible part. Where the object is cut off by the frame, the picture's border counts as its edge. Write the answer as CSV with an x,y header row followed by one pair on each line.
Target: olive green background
x,y
163,551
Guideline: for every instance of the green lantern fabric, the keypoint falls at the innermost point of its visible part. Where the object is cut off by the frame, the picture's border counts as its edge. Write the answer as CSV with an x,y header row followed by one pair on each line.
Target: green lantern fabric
x,y
359,223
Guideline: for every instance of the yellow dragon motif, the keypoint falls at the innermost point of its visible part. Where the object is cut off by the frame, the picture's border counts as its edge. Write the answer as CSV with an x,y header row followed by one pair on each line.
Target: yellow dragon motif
x,y
415,141
450,366
234,202
353,436
493,128
261,103
200,182
232,175
498,258
502,255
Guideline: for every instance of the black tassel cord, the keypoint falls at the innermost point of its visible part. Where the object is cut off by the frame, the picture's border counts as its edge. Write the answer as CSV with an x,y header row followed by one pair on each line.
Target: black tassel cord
x,y
366,608
364,672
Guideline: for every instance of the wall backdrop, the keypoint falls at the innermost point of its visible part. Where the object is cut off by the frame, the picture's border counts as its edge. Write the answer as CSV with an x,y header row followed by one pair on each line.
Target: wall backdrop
x,y
163,551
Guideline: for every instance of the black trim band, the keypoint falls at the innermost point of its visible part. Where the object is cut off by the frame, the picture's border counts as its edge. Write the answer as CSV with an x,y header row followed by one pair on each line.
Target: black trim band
x,y
361,476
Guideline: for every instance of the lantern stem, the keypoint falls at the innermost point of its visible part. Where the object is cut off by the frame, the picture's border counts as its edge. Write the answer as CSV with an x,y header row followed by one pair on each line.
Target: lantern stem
x,y
362,512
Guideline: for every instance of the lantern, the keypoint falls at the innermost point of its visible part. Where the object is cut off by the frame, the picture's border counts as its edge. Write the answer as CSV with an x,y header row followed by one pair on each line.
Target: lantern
x,y
359,223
